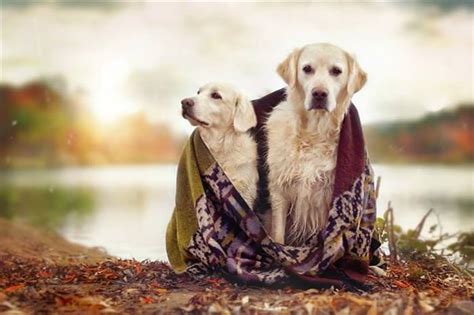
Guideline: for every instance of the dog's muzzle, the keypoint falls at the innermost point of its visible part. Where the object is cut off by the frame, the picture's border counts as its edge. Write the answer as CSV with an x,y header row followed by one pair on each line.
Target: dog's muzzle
x,y
186,106
187,103
319,99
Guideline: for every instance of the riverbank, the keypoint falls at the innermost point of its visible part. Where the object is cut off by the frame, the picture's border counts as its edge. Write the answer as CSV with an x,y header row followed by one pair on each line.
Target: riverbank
x,y
41,272
25,242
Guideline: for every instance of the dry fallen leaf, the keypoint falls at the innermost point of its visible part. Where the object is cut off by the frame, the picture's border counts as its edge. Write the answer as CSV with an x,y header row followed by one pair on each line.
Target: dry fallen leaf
x,y
309,307
13,288
147,300
161,290
401,284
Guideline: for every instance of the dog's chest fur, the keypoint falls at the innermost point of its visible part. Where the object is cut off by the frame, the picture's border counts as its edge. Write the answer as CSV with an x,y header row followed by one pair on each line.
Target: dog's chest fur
x,y
236,153
302,161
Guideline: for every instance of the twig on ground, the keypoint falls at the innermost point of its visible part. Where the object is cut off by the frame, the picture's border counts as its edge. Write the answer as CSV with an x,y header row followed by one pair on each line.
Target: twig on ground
x,y
420,225
392,239
377,187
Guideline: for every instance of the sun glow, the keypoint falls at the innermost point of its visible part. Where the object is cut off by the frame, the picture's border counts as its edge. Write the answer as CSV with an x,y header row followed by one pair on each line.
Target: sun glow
x,y
108,106
108,102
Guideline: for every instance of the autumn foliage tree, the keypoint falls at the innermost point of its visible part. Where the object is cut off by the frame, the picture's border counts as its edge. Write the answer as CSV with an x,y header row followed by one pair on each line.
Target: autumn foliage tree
x,y
41,125
445,136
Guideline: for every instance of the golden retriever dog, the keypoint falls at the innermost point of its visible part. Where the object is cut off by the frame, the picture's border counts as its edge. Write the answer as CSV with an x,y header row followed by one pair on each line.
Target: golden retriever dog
x,y
223,118
303,134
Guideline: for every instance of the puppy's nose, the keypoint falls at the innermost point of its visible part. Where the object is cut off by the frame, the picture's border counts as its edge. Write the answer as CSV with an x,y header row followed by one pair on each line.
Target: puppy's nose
x,y
187,102
320,94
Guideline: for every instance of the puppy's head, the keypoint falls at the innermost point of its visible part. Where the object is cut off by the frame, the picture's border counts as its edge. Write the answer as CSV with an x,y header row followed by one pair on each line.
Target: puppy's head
x,y
324,74
219,106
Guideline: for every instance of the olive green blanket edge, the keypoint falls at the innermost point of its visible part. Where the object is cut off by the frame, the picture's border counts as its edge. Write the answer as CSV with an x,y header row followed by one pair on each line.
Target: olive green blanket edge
x,y
195,159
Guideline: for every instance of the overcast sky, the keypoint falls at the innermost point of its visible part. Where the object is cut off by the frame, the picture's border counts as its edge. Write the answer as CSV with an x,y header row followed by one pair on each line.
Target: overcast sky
x,y
150,55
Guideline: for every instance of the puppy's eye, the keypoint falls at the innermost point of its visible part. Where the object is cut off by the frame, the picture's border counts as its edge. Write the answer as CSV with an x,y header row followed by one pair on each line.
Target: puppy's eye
x,y
216,96
199,91
335,71
307,69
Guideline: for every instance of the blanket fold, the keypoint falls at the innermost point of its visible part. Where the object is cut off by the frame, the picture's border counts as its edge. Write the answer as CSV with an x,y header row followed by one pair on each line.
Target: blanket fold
x,y
212,229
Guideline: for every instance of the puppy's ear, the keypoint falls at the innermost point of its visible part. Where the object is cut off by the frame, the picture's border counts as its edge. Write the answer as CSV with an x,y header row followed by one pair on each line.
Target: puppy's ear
x,y
288,69
357,76
244,117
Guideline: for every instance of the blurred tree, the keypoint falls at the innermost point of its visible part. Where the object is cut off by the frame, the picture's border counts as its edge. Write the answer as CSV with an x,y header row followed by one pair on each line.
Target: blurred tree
x,y
445,136
42,125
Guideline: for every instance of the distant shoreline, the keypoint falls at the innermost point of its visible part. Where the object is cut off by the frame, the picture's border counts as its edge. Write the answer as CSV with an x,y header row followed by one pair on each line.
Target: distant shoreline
x,y
174,164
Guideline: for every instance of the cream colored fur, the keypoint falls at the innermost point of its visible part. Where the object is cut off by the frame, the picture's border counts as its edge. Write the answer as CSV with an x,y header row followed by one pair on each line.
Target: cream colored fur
x,y
303,141
226,122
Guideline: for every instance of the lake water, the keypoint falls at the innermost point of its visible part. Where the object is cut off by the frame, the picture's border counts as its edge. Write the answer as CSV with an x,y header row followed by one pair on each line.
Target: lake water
x,y
125,209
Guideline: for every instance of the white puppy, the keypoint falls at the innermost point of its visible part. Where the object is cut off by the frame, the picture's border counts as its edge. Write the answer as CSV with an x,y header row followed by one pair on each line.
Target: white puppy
x,y
303,134
223,116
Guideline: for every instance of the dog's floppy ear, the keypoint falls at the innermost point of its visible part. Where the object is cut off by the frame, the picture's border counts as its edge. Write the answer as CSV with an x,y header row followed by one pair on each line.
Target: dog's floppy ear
x,y
357,76
288,68
244,117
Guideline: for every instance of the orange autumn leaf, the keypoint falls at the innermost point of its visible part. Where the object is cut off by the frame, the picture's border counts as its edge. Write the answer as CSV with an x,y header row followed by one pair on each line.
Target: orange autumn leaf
x,y
215,281
147,300
14,288
69,277
138,268
401,284
161,290
44,274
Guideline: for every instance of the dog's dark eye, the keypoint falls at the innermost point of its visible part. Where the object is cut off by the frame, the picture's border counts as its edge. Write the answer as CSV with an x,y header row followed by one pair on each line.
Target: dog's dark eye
x,y
335,71
199,91
216,96
307,69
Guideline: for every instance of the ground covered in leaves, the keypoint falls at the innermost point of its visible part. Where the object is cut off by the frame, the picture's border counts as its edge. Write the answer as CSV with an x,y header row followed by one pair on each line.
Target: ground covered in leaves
x,y
127,286
43,273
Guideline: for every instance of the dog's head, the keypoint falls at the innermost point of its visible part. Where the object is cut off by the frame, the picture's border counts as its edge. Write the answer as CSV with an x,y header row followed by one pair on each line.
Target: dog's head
x,y
324,75
219,106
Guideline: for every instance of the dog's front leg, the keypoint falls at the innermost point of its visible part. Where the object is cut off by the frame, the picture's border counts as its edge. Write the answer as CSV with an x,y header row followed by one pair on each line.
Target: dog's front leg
x,y
279,214
267,221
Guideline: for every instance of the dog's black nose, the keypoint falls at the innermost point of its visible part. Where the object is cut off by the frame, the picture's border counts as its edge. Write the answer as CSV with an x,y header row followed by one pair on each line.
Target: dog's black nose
x,y
187,102
320,94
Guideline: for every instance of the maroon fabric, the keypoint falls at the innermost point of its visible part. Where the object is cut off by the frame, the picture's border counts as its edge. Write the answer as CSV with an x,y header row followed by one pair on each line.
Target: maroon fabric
x,y
350,152
348,272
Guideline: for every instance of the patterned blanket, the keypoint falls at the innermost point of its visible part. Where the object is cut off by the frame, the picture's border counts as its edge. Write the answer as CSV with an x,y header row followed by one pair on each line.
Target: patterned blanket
x,y
213,230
